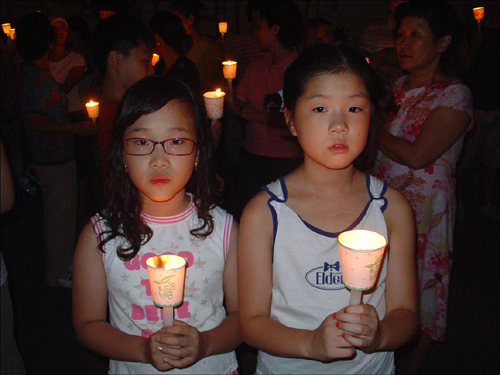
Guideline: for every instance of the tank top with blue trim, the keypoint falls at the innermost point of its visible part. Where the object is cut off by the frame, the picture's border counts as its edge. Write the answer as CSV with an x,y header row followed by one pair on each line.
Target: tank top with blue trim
x,y
307,281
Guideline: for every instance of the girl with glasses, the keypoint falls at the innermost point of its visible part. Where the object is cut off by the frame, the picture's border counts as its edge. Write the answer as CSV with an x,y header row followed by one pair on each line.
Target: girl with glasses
x,y
161,193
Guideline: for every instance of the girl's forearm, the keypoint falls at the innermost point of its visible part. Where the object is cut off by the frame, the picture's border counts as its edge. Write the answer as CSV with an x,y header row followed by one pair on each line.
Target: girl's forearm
x,y
397,328
106,340
270,336
223,338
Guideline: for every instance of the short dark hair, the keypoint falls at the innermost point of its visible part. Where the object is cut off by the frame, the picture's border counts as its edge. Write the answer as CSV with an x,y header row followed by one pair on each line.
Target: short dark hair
x,y
123,200
33,36
169,27
120,33
188,8
443,20
326,58
287,15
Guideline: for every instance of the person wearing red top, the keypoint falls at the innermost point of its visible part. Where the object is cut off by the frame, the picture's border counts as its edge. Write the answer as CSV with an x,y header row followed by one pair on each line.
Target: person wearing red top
x,y
269,150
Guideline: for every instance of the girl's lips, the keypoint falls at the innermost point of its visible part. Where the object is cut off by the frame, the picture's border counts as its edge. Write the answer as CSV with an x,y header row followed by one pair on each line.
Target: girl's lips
x,y
157,180
339,146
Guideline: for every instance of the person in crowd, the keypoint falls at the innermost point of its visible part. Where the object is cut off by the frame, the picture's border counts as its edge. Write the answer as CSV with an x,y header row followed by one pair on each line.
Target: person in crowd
x,y
269,150
420,145
122,49
327,31
287,244
482,76
204,52
12,362
67,68
245,47
376,42
161,199
171,41
44,113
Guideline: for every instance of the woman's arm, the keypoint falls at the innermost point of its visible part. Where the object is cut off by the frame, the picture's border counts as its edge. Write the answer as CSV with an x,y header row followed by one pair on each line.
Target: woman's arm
x,y
74,76
90,306
442,128
258,329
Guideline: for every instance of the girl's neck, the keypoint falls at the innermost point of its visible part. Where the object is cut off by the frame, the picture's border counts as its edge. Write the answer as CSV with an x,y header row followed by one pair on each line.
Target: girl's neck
x,y
318,178
175,205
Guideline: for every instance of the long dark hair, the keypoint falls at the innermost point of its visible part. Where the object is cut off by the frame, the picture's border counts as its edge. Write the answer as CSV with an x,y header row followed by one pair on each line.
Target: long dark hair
x,y
326,58
123,200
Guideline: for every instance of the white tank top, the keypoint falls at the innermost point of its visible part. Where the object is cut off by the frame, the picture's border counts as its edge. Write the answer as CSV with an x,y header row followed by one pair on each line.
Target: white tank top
x,y
307,281
131,307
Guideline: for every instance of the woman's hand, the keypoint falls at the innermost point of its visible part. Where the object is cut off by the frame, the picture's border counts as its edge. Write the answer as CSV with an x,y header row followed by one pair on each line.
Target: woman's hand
x,y
327,342
361,327
180,346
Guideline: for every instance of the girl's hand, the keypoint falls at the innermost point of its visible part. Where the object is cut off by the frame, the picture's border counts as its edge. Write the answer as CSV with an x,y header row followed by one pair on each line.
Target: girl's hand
x,y
156,357
328,343
361,327
180,345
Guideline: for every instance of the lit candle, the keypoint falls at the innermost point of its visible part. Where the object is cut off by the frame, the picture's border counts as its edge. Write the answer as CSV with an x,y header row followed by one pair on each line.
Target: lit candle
x,y
222,28
92,109
12,34
478,15
229,71
214,103
6,28
155,59
361,253
166,280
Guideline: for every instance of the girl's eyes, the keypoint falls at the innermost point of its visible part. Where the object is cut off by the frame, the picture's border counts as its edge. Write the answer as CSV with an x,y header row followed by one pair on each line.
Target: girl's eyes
x,y
319,109
176,142
142,142
354,109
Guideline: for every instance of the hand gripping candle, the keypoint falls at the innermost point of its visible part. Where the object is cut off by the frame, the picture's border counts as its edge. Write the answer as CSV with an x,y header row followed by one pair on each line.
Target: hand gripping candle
x,y
166,279
361,253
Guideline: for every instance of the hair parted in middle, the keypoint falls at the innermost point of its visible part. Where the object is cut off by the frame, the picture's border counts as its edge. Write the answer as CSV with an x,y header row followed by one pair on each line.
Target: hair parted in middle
x,y
123,199
328,59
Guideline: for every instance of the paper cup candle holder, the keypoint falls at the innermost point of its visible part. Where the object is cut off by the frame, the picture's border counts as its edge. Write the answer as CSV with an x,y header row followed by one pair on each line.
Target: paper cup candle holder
x,y
214,103
92,110
166,279
361,253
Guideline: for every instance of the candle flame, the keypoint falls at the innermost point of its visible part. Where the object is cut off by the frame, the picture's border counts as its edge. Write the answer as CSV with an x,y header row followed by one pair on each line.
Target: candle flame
x,y
167,267
217,91
91,102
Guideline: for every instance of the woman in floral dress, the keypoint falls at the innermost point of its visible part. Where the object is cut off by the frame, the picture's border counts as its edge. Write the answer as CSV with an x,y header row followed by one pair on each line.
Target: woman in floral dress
x,y
420,146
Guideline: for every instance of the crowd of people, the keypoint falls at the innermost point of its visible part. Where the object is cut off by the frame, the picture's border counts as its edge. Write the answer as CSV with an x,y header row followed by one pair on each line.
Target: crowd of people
x,y
344,134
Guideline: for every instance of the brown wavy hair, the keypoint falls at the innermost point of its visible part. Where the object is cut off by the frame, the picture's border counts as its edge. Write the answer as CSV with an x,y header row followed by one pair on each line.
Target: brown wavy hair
x,y
123,200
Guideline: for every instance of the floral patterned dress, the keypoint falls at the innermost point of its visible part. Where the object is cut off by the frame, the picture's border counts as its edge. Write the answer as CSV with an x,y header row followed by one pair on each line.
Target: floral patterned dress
x,y
430,191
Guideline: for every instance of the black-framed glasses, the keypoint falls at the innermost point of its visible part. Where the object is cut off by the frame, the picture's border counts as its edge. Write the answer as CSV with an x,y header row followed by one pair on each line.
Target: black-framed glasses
x,y
172,146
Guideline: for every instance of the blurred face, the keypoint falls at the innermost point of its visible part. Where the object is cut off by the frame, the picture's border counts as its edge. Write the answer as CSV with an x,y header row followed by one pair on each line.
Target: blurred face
x,y
416,47
332,119
135,66
161,178
187,22
266,35
60,31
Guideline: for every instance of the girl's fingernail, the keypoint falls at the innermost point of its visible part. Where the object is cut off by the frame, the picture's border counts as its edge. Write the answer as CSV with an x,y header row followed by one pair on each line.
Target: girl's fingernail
x,y
343,334
334,315
337,324
159,348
